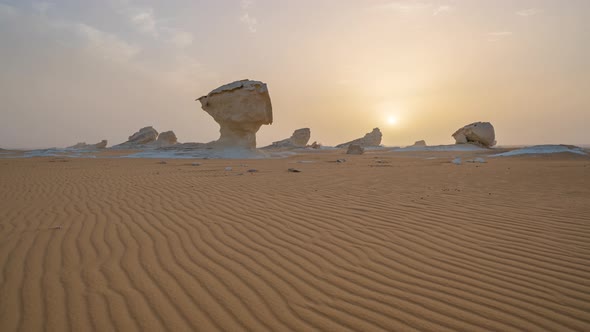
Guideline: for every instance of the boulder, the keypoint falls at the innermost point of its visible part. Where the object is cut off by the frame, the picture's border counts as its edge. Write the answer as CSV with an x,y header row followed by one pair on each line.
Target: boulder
x,y
166,138
479,133
299,139
371,139
83,146
240,108
355,149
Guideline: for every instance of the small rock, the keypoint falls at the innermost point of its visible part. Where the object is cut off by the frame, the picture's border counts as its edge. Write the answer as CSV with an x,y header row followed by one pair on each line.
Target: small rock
x,y
162,162
196,164
341,160
294,170
457,161
355,149
228,168
252,170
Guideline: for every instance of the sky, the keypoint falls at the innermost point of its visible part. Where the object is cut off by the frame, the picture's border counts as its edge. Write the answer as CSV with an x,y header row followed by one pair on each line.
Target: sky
x,y
81,70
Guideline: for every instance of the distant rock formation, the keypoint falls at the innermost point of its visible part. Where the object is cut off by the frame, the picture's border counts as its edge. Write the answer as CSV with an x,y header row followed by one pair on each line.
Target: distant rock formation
x,y
355,149
299,139
371,139
479,133
240,108
315,145
420,143
166,138
144,136
83,146
148,137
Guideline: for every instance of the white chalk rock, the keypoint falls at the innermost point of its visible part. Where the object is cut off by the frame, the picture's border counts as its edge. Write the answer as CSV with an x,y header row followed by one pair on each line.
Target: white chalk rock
x,y
299,139
371,139
240,108
480,133
166,138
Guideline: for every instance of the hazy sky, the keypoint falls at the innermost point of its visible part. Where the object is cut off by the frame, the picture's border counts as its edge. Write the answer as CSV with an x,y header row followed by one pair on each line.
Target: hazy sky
x,y
74,70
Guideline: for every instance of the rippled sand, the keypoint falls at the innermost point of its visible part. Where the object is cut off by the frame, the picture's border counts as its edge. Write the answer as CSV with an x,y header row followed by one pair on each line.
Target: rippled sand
x,y
380,242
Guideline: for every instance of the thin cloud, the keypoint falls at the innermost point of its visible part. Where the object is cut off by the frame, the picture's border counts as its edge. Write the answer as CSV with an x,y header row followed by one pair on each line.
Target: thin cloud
x,y
498,35
412,7
246,19
249,21
107,45
145,22
42,6
528,12
7,11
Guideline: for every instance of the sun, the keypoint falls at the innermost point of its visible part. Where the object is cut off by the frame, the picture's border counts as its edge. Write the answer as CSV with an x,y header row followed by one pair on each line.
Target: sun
x,y
392,120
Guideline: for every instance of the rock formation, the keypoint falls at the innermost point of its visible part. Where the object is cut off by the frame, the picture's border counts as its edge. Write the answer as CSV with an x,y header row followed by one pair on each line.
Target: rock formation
x,y
355,149
479,133
299,139
144,137
83,146
166,138
419,143
315,145
371,139
240,108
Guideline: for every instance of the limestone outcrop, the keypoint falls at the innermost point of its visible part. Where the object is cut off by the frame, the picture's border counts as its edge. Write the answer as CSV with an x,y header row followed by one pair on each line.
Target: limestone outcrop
x,y
143,137
371,139
355,149
479,133
166,138
83,146
240,108
299,139
420,143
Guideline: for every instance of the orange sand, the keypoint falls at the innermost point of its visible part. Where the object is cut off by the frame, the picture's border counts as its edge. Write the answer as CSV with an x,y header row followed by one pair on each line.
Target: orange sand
x,y
381,242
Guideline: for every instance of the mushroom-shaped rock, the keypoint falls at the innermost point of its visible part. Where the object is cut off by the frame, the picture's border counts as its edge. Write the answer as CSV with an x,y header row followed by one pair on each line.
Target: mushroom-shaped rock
x,y
371,139
166,138
299,139
83,146
240,108
480,133
355,149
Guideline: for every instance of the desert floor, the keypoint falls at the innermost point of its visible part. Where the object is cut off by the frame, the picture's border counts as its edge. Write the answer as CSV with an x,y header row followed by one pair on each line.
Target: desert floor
x,y
383,241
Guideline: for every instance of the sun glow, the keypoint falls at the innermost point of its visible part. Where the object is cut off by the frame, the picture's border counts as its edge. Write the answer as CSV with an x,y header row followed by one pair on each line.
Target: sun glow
x,y
392,120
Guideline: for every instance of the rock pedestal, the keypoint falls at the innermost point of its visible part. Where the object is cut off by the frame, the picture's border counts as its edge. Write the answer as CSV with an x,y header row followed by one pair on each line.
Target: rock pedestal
x,y
240,108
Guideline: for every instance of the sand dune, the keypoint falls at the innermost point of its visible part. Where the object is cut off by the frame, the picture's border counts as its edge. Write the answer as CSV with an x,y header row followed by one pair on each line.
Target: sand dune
x,y
382,242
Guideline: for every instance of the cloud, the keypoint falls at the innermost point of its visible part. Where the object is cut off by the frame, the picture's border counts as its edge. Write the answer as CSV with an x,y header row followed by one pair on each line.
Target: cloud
x,y
109,46
7,11
179,38
443,9
42,6
528,12
249,21
414,7
498,35
145,22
